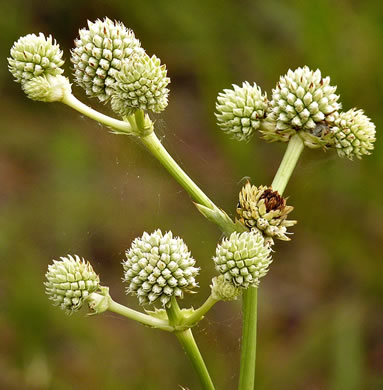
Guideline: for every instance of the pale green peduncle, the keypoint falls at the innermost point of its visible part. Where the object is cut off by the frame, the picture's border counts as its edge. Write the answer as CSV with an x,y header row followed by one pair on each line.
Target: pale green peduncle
x,y
200,312
250,295
139,317
289,161
186,339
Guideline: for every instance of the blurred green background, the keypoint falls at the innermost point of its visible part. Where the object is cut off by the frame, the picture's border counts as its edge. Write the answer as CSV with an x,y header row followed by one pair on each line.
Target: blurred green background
x,y
69,186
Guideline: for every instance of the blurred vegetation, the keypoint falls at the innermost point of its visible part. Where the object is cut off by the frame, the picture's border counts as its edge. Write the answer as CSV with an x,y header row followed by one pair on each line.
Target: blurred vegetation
x,y
69,186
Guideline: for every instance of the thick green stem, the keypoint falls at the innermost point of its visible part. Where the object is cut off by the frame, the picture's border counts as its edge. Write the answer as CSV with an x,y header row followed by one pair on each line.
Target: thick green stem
x,y
140,317
200,312
249,332
185,337
190,347
249,339
141,125
157,149
106,120
290,159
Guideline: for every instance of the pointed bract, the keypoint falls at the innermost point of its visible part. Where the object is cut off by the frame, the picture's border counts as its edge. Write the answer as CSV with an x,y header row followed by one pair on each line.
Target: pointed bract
x,y
263,209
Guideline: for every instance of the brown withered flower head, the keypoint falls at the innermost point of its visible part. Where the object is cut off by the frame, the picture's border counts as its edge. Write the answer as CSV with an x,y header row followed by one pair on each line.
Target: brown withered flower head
x,y
265,210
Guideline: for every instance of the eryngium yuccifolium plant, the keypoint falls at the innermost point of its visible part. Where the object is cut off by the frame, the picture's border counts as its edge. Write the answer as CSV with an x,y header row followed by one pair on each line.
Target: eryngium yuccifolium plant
x,y
305,103
243,258
47,88
141,85
354,134
240,110
159,266
222,290
70,281
99,53
265,210
33,56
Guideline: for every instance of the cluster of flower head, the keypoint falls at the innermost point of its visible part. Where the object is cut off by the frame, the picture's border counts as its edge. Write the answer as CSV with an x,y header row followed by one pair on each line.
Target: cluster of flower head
x,y
70,281
109,64
304,103
159,266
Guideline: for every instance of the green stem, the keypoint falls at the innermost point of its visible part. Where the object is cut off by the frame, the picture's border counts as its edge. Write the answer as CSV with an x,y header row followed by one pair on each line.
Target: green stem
x,y
249,335
141,124
200,312
249,339
186,339
289,161
140,317
188,343
157,149
106,120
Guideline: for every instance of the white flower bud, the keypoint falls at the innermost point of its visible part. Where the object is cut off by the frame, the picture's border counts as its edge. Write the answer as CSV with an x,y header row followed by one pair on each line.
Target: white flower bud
x,y
69,282
240,110
354,134
157,267
243,258
33,56
302,102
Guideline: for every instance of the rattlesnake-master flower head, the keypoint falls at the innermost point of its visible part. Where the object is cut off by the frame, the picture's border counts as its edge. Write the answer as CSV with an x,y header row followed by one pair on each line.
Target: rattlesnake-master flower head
x,y
305,103
99,53
240,110
223,290
243,258
354,134
33,56
159,266
70,280
47,88
141,85
265,210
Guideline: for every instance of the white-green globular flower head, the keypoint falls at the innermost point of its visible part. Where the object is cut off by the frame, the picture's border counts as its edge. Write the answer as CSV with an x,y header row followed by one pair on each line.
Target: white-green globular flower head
x,y
243,258
70,281
99,53
157,267
33,56
141,85
354,134
47,88
240,110
305,103
222,290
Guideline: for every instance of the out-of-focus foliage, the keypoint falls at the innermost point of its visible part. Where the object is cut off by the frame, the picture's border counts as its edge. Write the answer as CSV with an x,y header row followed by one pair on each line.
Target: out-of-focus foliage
x,y
69,186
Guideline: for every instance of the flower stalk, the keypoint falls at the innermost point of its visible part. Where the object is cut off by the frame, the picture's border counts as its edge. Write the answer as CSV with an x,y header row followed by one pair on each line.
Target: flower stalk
x,y
137,316
250,295
186,339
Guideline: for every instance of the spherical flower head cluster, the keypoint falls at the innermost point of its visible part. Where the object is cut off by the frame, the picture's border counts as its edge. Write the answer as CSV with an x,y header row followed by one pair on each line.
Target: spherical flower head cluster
x,y
69,282
305,103
157,267
263,209
354,134
99,53
222,290
140,85
243,258
33,56
47,88
240,110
